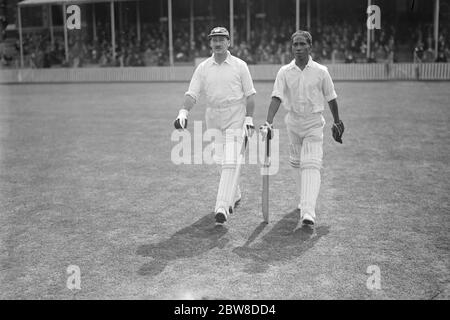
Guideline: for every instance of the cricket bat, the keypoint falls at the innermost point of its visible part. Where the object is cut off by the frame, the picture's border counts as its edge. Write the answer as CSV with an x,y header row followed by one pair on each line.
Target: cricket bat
x,y
265,189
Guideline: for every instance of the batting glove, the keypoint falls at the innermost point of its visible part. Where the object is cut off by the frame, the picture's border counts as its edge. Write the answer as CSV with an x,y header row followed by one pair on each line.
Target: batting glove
x,y
266,130
181,121
338,130
248,126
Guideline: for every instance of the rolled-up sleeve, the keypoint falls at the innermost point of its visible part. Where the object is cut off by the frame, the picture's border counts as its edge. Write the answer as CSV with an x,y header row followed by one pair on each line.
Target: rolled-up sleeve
x,y
195,86
278,86
328,87
247,82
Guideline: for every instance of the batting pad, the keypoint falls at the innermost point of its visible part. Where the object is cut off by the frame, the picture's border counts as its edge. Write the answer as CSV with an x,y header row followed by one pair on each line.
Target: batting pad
x,y
225,186
298,183
294,155
294,161
310,186
310,164
311,154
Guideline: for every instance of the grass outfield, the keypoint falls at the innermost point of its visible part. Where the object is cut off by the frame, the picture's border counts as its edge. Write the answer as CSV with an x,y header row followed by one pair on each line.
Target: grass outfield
x,y
86,179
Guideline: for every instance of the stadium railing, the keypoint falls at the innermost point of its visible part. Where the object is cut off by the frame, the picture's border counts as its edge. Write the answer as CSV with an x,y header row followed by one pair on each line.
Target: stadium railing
x,y
339,72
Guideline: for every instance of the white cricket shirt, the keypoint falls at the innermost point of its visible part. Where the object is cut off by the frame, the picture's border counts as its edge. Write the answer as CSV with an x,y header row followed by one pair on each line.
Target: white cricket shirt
x,y
225,84
303,92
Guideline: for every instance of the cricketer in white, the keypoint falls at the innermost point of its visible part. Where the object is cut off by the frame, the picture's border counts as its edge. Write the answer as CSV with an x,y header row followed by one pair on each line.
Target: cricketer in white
x,y
302,86
227,85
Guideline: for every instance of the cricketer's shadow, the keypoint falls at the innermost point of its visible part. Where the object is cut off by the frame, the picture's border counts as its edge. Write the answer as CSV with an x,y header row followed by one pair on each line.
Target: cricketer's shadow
x,y
281,243
191,241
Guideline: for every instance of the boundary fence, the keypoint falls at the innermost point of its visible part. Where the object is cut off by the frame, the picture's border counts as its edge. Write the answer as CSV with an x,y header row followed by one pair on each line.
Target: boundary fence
x,y
339,72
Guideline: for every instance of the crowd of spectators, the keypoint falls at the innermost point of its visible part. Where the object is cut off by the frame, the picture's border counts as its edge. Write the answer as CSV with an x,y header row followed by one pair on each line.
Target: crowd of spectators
x,y
336,42
424,47
269,44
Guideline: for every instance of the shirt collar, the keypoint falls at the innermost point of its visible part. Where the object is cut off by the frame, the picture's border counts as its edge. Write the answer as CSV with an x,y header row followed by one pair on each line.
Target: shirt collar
x,y
292,65
227,59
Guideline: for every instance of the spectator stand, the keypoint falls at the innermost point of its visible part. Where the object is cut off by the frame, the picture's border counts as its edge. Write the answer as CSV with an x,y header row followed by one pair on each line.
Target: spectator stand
x,y
125,34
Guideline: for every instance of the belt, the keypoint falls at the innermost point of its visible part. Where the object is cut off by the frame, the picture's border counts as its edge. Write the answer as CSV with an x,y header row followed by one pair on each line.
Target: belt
x,y
226,106
304,115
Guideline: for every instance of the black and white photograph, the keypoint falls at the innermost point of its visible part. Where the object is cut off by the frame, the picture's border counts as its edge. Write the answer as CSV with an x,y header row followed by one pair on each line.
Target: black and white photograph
x,y
237,151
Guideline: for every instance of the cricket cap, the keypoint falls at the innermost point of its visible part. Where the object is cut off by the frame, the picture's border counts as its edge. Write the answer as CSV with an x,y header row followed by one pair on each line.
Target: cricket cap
x,y
219,31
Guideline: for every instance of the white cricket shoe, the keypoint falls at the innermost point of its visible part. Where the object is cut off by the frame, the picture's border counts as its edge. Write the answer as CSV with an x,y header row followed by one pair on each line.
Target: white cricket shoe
x,y
221,216
307,220
237,200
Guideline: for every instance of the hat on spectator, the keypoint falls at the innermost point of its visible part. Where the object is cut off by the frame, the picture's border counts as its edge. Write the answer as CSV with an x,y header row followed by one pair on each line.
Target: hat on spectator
x,y
219,31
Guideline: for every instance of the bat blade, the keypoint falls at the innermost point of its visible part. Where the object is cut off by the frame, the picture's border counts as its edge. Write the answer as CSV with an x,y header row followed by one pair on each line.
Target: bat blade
x,y
265,198
265,190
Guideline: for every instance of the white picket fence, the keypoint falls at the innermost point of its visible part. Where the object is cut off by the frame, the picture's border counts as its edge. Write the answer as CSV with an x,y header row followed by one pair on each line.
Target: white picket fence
x,y
339,72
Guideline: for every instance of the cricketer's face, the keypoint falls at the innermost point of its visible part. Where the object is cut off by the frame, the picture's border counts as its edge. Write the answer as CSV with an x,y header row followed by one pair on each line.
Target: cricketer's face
x,y
300,47
219,44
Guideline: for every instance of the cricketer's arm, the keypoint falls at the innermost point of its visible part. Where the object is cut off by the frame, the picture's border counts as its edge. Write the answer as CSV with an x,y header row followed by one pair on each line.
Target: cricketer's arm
x,y
273,109
334,110
188,103
250,106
